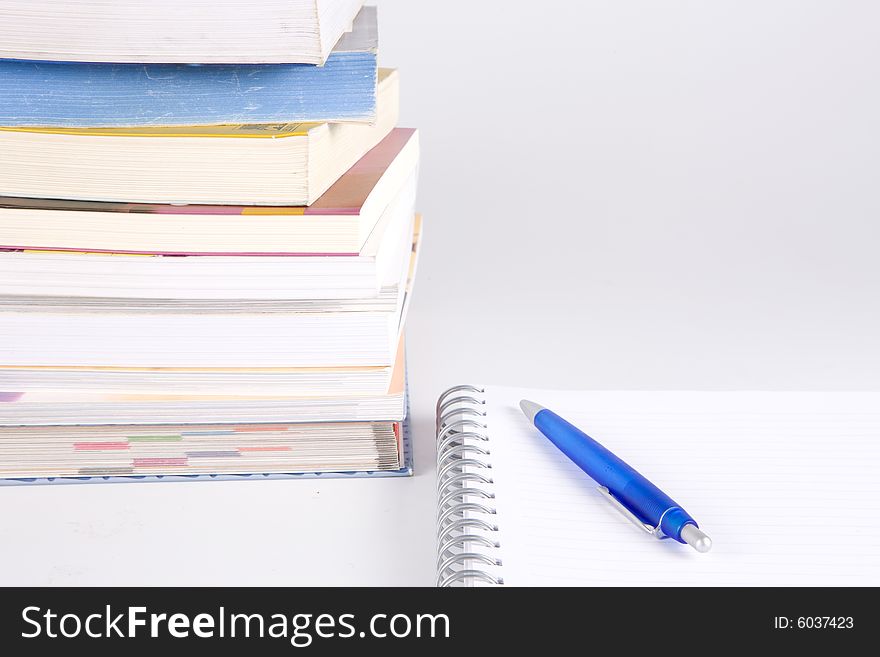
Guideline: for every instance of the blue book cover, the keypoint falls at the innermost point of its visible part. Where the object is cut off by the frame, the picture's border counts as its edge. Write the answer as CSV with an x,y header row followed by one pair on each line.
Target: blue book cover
x,y
74,95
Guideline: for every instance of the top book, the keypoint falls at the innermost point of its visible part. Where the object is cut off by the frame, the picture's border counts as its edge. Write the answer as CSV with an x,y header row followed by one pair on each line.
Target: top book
x,y
174,32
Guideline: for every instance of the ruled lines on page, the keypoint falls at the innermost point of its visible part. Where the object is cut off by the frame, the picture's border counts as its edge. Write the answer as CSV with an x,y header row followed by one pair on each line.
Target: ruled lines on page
x,y
786,484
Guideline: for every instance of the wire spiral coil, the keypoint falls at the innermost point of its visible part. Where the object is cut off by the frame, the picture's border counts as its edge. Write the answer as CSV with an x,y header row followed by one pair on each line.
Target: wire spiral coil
x,y
467,543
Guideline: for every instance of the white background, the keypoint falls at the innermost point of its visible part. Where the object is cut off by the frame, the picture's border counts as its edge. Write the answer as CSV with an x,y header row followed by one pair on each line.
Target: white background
x,y
621,194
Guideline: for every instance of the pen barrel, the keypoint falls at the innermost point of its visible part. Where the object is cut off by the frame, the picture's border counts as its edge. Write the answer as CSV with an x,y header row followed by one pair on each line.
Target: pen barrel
x,y
654,507
644,499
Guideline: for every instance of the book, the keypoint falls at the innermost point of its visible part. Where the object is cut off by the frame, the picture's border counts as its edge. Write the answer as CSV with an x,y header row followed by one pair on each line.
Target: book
x,y
114,453
208,243
248,381
754,468
164,31
338,223
71,94
119,453
151,335
77,279
74,406
266,164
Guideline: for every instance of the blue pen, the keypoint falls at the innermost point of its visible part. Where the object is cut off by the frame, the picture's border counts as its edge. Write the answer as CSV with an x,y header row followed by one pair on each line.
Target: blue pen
x,y
640,501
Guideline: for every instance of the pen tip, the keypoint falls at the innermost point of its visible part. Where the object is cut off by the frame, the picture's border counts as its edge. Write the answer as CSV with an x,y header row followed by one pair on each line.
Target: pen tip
x,y
696,538
530,409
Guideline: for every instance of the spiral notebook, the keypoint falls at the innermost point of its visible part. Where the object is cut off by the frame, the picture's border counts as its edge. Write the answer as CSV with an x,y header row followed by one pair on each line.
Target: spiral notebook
x,y
786,484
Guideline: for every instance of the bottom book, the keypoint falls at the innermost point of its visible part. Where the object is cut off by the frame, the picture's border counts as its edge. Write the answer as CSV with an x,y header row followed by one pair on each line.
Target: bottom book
x,y
67,455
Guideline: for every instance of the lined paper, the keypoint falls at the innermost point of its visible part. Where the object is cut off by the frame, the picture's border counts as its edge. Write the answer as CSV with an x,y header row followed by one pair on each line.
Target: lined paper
x,y
787,485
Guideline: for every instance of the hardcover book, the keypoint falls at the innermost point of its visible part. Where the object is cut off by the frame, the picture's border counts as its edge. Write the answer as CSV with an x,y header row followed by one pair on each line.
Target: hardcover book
x,y
130,453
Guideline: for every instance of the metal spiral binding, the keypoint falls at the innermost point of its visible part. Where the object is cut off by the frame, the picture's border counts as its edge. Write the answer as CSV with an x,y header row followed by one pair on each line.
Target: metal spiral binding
x,y
467,545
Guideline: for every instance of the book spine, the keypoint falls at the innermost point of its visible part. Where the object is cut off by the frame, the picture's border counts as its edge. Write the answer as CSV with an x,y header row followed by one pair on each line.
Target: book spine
x,y
468,545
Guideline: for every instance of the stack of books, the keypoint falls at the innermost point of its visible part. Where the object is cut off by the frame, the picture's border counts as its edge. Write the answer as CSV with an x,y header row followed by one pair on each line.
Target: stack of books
x,y
208,240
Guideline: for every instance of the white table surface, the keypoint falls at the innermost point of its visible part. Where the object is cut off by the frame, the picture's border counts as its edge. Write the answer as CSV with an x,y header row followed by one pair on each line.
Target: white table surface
x,y
675,195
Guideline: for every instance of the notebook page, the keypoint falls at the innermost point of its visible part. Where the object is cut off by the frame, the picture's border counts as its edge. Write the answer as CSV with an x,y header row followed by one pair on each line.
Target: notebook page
x,y
787,485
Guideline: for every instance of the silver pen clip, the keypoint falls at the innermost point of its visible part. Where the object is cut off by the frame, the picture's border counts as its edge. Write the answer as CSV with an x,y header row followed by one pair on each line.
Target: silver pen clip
x,y
656,532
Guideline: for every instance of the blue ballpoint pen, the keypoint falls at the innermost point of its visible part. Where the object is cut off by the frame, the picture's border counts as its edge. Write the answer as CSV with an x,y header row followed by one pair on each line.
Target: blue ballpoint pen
x,y
637,498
